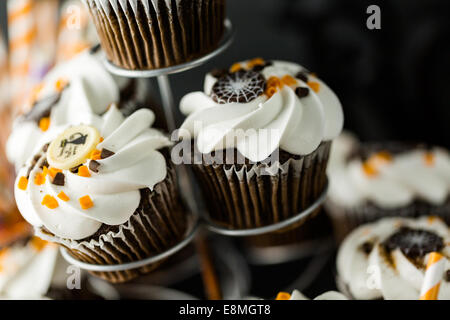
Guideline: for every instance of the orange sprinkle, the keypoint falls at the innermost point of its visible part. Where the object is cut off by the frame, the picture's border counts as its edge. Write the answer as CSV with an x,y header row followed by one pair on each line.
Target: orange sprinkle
x,y
379,159
255,62
44,171
288,80
60,84
36,91
23,183
429,159
369,170
53,171
50,202
86,202
283,296
44,123
274,82
270,91
235,67
96,154
63,196
83,171
38,244
431,219
315,86
102,139
39,179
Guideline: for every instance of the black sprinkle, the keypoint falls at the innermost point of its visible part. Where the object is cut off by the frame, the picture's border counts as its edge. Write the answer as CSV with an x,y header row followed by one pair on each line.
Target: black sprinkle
x,y
93,166
302,92
367,247
106,153
447,276
302,75
59,179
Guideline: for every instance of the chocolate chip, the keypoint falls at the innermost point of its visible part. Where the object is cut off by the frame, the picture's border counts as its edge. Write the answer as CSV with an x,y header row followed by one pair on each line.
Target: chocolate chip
x,y
302,75
94,165
106,153
301,92
59,179
75,169
219,73
414,243
447,276
367,247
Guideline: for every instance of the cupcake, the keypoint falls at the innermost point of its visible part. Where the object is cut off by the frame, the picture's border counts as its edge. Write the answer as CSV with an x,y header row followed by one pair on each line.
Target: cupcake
x,y
373,180
259,137
106,191
387,259
73,92
158,33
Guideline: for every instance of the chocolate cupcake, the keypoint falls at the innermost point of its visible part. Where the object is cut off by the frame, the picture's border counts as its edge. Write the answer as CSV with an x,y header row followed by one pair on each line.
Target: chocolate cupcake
x,y
260,135
387,259
370,181
72,93
106,191
152,34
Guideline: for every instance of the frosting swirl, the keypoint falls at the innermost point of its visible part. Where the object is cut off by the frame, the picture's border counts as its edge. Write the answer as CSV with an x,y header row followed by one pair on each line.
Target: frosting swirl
x,y
76,205
70,94
293,110
387,259
388,180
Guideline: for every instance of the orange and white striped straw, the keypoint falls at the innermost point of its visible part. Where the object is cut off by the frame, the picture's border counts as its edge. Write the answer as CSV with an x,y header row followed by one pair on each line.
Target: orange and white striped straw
x,y
22,33
433,277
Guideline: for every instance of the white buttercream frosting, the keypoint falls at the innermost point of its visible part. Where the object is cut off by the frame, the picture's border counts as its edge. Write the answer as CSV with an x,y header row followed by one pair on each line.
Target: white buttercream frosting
x,y
27,272
405,177
114,189
285,121
329,295
369,275
91,89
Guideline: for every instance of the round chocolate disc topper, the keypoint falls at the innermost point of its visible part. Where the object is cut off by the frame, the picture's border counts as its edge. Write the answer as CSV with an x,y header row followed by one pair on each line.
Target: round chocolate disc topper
x,y
72,147
414,243
241,86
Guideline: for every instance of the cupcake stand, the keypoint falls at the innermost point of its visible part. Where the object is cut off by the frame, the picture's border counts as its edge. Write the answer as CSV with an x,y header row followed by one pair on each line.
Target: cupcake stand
x,y
228,262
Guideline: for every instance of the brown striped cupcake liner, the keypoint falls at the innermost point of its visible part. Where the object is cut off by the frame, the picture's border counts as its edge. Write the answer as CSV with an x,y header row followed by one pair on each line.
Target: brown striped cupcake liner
x,y
158,224
242,197
138,34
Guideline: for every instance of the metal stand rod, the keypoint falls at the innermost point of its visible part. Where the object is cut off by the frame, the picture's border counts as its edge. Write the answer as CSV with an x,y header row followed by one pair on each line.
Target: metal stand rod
x,y
167,101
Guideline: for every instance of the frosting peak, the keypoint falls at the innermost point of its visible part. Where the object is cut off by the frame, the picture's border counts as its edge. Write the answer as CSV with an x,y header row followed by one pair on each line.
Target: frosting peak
x,y
259,106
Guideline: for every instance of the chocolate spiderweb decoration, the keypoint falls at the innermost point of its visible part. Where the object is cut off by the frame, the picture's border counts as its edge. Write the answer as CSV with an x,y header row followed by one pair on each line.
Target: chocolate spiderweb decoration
x,y
241,86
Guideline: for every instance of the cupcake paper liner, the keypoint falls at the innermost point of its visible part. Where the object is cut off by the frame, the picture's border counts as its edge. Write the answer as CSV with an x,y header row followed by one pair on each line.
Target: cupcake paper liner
x,y
158,224
150,34
244,197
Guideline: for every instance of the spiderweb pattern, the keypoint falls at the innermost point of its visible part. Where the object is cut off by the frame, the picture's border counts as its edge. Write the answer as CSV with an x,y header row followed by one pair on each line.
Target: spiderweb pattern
x,y
241,86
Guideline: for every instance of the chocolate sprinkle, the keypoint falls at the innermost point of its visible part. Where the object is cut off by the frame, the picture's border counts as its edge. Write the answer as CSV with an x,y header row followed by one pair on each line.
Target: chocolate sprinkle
x,y
59,179
42,108
301,92
447,276
414,243
75,169
302,75
367,247
260,67
241,86
106,153
94,165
